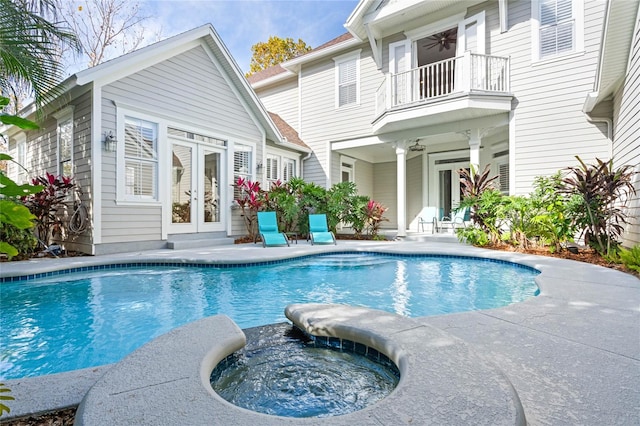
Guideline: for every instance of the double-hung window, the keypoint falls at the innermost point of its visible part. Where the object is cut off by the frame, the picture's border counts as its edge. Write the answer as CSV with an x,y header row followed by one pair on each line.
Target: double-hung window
x,y
241,165
347,75
21,147
557,27
140,159
65,141
272,167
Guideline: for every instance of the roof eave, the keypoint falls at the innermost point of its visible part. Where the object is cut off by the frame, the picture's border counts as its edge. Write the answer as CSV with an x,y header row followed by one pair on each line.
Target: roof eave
x,y
294,64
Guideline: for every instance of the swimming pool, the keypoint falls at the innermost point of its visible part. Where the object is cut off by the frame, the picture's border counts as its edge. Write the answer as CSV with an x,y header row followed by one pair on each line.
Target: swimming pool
x,y
82,319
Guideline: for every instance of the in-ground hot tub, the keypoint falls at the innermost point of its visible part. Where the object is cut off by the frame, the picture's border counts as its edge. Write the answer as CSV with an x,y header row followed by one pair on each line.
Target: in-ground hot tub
x,y
442,379
284,372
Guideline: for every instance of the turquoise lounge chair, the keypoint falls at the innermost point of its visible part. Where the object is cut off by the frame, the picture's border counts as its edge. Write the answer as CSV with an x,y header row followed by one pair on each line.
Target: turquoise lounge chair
x,y
268,230
318,230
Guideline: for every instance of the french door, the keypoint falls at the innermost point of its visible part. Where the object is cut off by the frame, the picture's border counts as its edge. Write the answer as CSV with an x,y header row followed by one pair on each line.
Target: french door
x,y
449,189
196,188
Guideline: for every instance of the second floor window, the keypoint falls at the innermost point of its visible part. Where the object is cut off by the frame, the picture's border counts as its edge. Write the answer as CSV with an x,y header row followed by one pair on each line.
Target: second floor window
x,y
347,80
140,159
557,28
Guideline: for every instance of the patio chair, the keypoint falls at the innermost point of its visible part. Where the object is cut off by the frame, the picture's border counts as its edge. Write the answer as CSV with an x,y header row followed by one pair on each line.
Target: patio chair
x,y
319,231
457,219
427,216
268,230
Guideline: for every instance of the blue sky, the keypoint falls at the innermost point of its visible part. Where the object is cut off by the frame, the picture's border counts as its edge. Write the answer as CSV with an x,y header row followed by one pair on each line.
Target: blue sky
x,y
242,23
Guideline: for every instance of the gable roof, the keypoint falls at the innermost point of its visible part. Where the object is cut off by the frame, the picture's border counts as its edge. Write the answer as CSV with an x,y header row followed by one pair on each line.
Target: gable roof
x,y
147,56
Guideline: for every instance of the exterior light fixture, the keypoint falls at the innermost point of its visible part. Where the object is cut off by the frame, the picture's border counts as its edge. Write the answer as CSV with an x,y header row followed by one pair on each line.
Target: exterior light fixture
x,y
110,142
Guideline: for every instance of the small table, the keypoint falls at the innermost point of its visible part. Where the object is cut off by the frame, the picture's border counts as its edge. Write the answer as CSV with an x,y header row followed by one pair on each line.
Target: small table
x,y
292,236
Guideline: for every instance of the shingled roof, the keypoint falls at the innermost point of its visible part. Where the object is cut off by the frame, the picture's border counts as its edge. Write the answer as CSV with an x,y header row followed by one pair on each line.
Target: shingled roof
x,y
287,131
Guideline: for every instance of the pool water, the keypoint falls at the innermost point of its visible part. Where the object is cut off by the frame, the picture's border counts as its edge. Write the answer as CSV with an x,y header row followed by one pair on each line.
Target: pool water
x,y
77,320
282,373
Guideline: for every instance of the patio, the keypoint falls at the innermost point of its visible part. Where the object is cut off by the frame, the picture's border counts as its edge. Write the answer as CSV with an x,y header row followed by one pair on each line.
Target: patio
x,y
572,353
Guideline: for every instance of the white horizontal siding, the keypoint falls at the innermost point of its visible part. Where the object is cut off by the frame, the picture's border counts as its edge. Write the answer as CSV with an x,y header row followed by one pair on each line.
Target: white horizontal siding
x,y
550,128
187,91
626,146
322,122
283,100
385,190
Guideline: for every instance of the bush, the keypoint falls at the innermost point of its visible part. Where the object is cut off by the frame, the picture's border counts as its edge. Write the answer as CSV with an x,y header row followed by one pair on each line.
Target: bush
x,y
631,257
473,235
23,240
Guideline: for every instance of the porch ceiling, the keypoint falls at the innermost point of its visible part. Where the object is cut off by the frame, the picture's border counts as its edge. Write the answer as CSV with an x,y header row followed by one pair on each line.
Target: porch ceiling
x,y
448,110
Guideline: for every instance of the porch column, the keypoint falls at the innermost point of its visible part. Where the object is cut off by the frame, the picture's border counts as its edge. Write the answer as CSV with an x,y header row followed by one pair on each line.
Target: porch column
x,y
475,138
401,159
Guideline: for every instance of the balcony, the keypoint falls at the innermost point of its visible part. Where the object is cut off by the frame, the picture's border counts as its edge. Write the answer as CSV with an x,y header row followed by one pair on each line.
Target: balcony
x,y
460,88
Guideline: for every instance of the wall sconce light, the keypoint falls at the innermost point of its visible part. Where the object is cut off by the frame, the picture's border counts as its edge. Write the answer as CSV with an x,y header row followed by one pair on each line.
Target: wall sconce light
x,y
110,142
259,167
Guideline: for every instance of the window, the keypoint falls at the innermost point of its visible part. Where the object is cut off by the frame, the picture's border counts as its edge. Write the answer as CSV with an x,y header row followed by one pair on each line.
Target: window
x,y
272,167
280,167
21,159
347,80
557,28
241,165
140,159
347,169
64,140
288,169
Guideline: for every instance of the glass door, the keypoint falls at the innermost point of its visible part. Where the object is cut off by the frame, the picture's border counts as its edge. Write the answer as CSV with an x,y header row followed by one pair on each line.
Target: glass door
x,y
449,188
196,188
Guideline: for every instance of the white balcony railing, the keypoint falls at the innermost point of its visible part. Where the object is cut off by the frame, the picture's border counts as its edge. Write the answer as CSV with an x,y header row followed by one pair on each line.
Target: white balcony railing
x,y
462,74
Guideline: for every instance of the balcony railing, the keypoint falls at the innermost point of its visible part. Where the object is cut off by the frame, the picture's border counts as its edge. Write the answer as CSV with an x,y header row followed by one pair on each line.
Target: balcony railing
x,y
462,74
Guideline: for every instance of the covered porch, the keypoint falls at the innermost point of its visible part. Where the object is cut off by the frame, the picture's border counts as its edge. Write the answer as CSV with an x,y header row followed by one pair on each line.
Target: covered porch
x,y
416,168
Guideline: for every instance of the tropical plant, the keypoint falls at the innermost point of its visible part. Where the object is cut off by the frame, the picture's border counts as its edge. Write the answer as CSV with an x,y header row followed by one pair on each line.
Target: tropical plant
x,y
282,199
46,205
473,185
29,50
601,189
631,257
374,216
487,212
12,213
340,203
552,222
3,397
250,199
473,235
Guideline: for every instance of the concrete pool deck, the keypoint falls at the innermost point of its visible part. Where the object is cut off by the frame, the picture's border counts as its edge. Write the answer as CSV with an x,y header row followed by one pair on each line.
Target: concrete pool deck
x,y
572,353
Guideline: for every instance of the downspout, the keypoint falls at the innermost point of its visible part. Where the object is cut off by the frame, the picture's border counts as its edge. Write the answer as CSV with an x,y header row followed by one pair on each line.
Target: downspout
x,y
609,123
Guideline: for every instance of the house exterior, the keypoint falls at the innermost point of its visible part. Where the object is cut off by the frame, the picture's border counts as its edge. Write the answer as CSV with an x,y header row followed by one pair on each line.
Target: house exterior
x,y
155,140
416,90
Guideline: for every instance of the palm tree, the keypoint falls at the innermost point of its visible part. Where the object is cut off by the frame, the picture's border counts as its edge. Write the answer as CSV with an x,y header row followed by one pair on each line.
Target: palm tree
x,y
29,46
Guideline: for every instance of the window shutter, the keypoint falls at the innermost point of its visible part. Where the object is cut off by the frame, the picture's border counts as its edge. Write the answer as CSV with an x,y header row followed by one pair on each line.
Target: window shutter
x,y
272,168
347,81
557,27
503,172
141,158
288,169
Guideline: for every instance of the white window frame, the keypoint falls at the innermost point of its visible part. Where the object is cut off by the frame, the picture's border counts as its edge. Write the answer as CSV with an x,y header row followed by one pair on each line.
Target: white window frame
x,y
502,161
348,164
342,59
64,118
22,175
246,174
284,160
121,177
272,173
577,13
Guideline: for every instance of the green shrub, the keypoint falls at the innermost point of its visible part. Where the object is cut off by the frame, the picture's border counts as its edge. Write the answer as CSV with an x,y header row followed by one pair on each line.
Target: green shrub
x,y
631,257
473,235
23,240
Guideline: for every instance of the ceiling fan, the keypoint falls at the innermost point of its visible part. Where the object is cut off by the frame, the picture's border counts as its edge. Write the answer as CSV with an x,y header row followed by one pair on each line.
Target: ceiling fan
x,y
443,40
417,147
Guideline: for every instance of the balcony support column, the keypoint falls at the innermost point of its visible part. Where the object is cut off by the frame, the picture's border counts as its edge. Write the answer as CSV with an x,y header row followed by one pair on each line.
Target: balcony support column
x,y
401,159
474,148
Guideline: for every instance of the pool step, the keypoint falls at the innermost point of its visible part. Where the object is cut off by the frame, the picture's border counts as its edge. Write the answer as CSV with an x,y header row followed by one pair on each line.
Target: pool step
x,y
205,242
